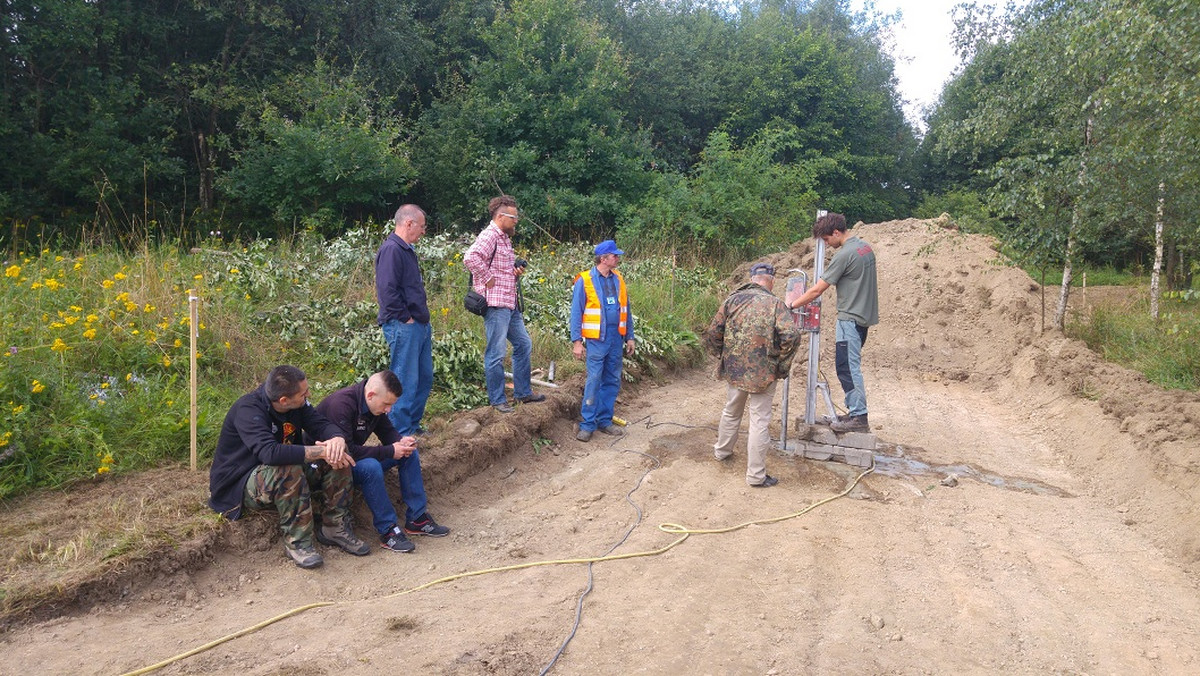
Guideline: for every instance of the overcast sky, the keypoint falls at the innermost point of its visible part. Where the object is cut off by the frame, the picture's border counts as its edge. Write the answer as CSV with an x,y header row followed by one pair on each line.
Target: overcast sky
x,y
923,50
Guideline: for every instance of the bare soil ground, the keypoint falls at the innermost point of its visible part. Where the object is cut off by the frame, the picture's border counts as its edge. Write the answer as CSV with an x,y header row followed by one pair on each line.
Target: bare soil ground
x,y
1070,543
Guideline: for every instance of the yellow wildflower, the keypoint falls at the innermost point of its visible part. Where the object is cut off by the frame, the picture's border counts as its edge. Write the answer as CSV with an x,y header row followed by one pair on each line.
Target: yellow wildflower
x,y
59,345
78,265
119,276
70,320
53,284
12,271
166,361
75,308
57,325
35,285
123,296
178,342
90,334
148,308
104,385
445,311
18,409
58,259
227,345
130,306
128,377
108,283
36,386
234,271
103,469
197,277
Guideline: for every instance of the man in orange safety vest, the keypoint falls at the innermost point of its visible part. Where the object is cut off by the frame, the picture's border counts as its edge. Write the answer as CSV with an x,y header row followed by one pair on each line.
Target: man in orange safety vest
x,y
601,331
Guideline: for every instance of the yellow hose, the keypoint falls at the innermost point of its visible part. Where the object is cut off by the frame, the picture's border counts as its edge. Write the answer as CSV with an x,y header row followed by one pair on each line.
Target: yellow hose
x,y
673,528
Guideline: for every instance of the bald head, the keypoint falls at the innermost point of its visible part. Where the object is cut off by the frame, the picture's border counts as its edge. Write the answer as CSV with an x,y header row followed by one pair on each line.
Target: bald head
x,y
410,222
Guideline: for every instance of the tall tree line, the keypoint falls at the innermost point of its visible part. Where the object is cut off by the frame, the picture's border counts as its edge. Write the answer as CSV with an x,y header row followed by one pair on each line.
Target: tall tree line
x,y
1077,124
679,118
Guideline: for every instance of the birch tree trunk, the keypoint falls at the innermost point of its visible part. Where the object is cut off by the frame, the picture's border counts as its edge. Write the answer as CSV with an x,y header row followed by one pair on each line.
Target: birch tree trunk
x,y
1060,315
1156,273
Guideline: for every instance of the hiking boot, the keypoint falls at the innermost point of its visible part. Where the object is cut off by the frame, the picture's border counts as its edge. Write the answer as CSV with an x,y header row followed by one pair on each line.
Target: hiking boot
x,y
305,557
853,423
612,431
532,399
343,537
394,540
584,435
426,526
503,408
766,483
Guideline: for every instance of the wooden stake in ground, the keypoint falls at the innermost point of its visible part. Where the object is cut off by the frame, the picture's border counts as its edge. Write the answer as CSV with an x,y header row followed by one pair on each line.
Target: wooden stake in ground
x,y
193,334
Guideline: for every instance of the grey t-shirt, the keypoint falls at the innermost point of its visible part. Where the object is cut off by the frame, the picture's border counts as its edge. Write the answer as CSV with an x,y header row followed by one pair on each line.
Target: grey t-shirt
x,y
852,271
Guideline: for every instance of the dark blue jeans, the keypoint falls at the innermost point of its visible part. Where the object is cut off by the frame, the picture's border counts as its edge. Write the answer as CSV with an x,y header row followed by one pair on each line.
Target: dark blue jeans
x,y
368,476
411,347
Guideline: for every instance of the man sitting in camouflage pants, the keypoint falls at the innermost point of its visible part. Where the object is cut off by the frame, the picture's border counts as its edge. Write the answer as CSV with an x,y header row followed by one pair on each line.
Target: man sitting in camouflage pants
x,y
259,462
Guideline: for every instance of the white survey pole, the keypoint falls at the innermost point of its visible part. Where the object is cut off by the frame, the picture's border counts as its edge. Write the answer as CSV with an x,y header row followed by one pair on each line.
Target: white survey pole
x,y
194,331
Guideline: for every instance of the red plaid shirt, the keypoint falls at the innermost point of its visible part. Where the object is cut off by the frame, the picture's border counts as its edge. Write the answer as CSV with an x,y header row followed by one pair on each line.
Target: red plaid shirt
x,y
493,245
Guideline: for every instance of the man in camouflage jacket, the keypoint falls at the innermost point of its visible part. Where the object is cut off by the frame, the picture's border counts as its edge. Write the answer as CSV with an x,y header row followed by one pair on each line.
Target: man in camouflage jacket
x,y
755,338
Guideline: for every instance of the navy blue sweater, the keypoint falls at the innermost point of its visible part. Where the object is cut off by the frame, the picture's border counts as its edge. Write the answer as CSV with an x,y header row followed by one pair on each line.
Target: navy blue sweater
x,y
398,284
254,434
347,408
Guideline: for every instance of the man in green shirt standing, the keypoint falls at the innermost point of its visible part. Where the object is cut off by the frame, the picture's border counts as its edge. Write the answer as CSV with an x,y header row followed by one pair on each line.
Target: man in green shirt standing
x,y
852,271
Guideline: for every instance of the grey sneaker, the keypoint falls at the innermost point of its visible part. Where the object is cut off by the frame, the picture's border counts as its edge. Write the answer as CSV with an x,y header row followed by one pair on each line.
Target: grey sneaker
x,y
343,537
504,408
612,431
394,540
305,557
425,526
853,423
584,435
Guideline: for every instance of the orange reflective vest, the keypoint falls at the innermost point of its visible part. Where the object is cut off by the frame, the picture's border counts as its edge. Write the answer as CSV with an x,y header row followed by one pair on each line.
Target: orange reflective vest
x,y
593,313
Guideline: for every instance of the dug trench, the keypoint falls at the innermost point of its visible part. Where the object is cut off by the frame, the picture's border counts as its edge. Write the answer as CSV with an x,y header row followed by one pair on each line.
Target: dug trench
x,y
1068,543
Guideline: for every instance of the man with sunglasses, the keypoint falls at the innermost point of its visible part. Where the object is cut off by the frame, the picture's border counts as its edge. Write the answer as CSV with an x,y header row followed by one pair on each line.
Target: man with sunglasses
x,y
495,271
601,330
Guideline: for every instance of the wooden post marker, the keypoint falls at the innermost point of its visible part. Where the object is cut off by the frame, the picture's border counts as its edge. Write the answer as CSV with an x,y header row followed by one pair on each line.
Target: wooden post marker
x,y
194,332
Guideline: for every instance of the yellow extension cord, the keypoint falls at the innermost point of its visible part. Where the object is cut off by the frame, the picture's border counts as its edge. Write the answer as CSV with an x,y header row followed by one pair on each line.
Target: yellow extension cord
x,y
665,527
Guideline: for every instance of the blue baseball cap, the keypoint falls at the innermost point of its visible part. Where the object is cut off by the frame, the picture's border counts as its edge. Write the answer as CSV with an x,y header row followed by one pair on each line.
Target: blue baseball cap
x,y
608,247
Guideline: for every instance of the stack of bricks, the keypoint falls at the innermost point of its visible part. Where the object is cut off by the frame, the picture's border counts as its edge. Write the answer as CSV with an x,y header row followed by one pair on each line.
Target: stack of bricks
x,y
818,442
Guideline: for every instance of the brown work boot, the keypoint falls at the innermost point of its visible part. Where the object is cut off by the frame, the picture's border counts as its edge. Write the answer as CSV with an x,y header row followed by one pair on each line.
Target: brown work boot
x,y
305,557
853,423
343,537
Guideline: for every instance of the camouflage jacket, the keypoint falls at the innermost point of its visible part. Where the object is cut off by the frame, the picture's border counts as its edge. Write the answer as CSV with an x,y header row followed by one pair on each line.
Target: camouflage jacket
x,y
755,338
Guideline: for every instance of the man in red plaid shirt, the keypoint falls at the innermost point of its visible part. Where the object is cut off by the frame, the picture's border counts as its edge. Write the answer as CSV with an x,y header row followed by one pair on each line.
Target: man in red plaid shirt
x,y
494,274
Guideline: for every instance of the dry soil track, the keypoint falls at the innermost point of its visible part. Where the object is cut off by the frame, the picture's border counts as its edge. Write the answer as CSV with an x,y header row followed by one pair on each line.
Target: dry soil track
x,y
1069,544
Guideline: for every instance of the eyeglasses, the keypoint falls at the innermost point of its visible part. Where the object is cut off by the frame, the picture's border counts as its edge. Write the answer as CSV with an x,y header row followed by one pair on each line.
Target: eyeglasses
x,y
512,216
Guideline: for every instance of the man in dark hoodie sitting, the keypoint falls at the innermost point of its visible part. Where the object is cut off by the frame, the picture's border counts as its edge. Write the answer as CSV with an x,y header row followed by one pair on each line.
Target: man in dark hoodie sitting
x,y
260,463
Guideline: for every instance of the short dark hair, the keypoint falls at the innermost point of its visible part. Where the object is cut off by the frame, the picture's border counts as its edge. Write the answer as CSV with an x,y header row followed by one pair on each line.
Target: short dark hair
x,y
499,203
284,381
829,224
391,383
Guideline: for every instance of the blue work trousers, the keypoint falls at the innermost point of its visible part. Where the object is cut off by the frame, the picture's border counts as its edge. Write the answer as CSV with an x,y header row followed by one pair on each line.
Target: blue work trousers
x,y
604,359
501,324
411,347
368,476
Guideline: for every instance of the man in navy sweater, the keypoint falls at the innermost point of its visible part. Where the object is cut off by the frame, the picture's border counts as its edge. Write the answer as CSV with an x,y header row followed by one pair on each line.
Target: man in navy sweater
x,y
361,410
404,317
260,463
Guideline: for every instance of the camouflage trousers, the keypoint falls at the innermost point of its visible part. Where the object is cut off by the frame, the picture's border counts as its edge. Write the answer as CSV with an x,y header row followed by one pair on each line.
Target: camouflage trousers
x,y
289,488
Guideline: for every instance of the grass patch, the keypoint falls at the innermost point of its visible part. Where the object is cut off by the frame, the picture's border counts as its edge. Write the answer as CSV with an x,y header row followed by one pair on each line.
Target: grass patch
x,y
1168,353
